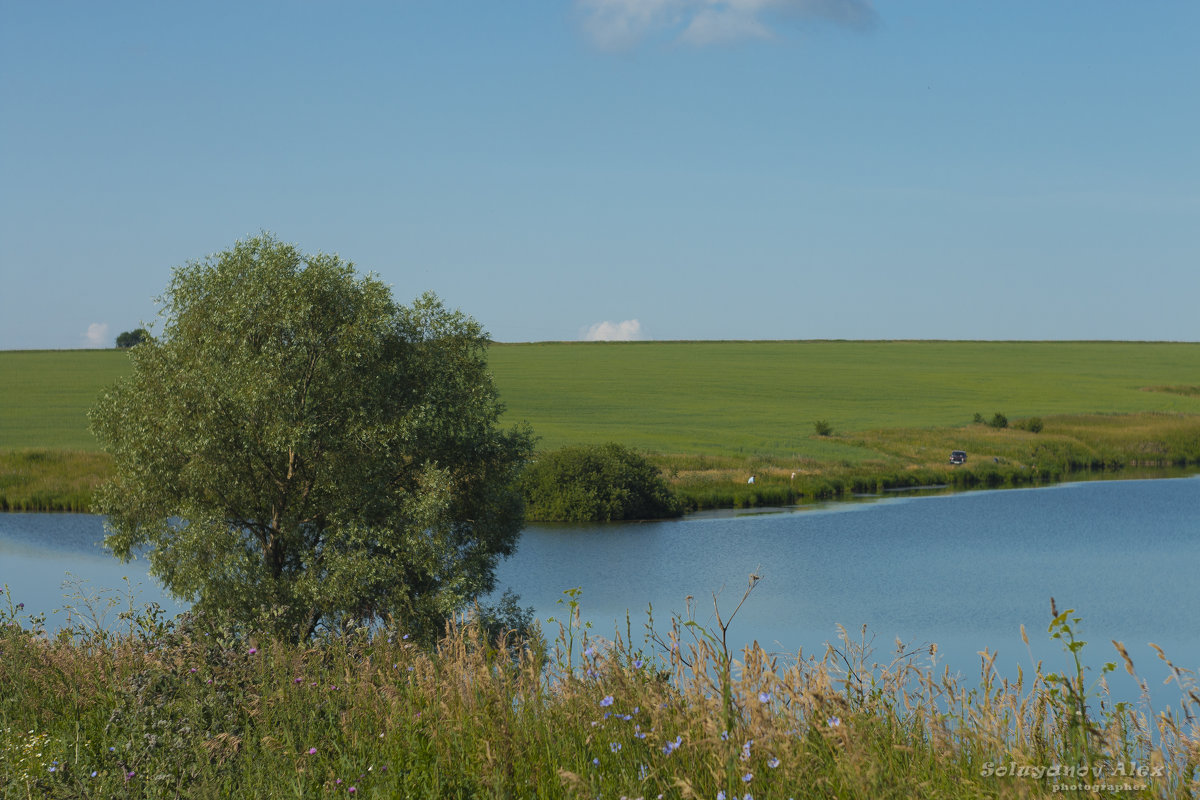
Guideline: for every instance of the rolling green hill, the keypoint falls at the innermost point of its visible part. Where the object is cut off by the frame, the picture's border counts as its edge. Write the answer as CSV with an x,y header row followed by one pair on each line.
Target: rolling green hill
x,y
715,398
712,413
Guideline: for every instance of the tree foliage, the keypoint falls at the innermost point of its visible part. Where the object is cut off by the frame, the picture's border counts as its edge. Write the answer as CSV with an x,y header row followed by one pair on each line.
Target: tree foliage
x,y
596,483
297,450
132,338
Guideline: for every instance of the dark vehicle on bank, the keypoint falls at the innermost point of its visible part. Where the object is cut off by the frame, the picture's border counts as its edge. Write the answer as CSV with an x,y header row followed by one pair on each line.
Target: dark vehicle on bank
x,y
958,457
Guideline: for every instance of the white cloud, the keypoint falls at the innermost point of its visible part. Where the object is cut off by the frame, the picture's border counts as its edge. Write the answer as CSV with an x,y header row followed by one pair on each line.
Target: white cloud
x,y
618,24
627,331
97,335
720,26
621,24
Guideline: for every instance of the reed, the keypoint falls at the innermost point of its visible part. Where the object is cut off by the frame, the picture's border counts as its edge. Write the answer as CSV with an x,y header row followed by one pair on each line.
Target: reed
x,y
50,480
170,709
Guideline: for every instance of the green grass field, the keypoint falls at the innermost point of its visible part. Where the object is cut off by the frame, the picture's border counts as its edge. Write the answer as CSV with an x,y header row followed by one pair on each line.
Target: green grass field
x,y
761,398
715,398
711,411
45,394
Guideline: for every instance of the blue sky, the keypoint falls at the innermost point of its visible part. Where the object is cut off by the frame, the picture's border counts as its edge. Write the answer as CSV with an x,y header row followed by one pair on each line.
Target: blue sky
x,y
658,169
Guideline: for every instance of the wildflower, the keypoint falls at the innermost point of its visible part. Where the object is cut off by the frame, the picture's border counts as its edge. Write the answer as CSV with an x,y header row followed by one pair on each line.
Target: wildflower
x,y
299,681
637,731
352,790
596,762
749,776
721,795
764,697
405,636
192,670
671,747
746,750
312,751
834,722
607,701
253,651
638,663
591,651
94,773
773,762
724,736
614,746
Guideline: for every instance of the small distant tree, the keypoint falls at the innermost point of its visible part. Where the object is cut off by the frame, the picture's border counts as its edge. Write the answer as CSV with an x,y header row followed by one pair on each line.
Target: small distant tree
x,y
596,483
823,428
132,338
998,420
297,451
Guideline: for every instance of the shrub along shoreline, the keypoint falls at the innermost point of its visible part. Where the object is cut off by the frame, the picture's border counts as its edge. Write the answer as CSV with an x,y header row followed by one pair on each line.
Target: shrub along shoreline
x,y
1064,447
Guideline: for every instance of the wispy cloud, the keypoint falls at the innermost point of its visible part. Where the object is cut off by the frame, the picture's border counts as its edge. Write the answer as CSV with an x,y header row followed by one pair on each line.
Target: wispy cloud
x,y
627,331
97,335
621,24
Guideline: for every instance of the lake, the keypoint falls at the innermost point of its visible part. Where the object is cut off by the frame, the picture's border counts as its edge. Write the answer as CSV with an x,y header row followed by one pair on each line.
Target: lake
x,y
963,570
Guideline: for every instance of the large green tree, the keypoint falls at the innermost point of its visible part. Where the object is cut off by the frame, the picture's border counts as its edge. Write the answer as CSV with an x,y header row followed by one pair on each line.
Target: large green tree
x,y
295,449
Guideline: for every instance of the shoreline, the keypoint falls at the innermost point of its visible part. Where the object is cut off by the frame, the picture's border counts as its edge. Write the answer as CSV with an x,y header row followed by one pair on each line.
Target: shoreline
x,y
885,461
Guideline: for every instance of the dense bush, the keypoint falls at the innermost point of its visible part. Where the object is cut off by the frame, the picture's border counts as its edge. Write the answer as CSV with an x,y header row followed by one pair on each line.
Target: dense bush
x,y
1033,425
596,483
823,428
998,420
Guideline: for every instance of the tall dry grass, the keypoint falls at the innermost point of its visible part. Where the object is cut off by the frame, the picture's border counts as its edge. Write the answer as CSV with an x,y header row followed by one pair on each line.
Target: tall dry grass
x,y
177,710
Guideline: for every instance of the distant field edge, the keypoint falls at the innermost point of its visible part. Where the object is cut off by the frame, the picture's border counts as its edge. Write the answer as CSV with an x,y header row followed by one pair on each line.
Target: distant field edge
x,y
1062,448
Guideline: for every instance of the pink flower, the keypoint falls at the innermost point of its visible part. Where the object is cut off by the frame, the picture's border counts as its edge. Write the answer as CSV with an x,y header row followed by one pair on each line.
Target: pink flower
x,y
312,751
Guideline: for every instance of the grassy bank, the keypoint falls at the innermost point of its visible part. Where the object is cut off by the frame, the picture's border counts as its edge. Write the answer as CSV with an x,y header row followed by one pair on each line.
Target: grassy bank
x,y
714,413
50,480
161,713
1068,446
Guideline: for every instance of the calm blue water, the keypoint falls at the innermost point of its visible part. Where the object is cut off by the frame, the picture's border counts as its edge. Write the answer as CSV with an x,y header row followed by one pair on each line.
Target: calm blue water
x,y
47,560
965,571
962,570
